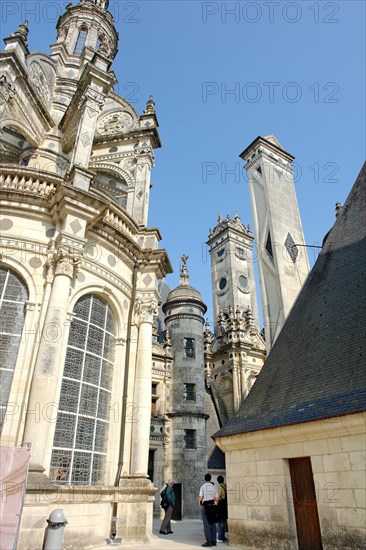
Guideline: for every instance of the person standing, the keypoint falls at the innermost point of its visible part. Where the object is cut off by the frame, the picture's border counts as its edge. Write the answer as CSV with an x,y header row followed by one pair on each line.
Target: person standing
x,y
169,497
208,498
222,509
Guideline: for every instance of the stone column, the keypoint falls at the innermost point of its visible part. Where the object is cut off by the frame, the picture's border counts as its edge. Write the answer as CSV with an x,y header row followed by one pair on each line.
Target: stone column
x,y
142,391
42,405
235,387
244,390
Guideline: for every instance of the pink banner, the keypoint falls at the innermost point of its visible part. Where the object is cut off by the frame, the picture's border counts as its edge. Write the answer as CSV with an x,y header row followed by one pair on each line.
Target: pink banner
x,y
13,474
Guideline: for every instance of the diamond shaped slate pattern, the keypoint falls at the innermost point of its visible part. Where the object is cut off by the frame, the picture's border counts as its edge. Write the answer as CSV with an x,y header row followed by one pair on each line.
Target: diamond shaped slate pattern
x,y
291,247
147,280
75,226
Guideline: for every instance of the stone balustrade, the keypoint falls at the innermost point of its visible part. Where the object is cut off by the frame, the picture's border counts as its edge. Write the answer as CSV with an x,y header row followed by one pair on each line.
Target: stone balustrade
x,y
112,217
27,180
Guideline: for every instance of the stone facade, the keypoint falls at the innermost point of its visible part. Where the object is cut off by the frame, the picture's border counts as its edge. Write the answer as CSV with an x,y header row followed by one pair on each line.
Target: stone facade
x,y
261,510
79,271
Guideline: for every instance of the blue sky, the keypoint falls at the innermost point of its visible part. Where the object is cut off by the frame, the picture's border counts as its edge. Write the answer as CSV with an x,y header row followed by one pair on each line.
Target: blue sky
x,y
295,69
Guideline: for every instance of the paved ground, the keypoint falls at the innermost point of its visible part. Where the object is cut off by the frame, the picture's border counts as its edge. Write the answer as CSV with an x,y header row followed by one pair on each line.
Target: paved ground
x,y
187,535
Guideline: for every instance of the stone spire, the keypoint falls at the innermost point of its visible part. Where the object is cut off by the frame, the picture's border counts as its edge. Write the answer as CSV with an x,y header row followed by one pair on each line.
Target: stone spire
x,y
150,106
184,276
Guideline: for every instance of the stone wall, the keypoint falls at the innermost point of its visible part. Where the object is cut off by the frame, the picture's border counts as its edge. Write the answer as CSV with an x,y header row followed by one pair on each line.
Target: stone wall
x,y
261,511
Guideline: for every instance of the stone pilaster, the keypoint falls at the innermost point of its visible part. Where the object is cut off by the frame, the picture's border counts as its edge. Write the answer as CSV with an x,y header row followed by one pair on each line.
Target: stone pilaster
x,y
145,312
42,406
90,106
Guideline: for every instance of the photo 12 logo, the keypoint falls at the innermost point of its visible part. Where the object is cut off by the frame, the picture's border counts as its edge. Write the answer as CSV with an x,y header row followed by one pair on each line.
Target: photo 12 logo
x,y
49,12
269,12
269,92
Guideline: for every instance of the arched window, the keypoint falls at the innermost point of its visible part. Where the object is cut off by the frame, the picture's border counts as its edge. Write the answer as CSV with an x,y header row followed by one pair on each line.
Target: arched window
x,y
80,43
80,442
13,295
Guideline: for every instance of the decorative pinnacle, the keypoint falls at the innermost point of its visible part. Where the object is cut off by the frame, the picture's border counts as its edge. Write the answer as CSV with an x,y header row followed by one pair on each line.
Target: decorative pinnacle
x,y
338,208
22,31
102,4
219,218
184,276
150,106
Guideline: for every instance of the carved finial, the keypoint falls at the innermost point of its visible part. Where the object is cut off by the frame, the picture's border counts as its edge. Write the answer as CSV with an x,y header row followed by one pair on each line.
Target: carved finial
x,y
150,106
210,232
228,218
207,333
102,4
22,31
250,318
249,230
167,341
155,330
338,208
219,218
236,217
184,276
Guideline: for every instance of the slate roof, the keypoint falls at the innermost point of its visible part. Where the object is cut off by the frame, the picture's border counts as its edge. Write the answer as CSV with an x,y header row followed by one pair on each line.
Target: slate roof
x,y
217,460
316,368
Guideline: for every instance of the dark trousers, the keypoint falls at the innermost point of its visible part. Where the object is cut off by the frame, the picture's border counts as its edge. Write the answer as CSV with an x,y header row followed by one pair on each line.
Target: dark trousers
x,y
209,529
166,525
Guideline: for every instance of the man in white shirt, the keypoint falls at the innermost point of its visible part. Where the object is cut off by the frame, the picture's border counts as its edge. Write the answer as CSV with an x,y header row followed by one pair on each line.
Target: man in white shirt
x,y
208,498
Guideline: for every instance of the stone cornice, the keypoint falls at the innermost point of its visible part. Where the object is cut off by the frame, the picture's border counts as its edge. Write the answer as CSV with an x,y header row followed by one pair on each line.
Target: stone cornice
x,y
187,413
176,316
268,145
339,426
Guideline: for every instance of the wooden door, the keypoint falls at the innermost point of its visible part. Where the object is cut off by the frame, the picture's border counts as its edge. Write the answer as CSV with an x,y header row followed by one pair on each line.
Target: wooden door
x,y
306,509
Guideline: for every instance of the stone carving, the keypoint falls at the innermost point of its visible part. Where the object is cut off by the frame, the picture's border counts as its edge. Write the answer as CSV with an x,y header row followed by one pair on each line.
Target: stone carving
x,y
92,98
39,80
184,275
145,311
66,263
105,48
102,4
62,33
22,31
115,123
7,92
130,165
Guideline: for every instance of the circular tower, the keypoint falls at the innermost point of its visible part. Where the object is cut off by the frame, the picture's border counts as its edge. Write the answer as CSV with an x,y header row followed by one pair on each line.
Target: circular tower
x,y
184,310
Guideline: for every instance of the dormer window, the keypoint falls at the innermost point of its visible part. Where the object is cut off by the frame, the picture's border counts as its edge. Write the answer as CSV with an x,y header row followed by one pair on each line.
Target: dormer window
x,y
80,43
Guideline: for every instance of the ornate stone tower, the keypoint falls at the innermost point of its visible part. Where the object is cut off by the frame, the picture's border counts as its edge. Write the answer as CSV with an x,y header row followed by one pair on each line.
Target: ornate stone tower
x,y
184,311
235,352
75,163
232,272
282,258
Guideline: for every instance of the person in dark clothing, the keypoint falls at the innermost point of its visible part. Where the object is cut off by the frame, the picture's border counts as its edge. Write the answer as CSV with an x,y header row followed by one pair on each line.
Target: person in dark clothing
x,y
221,509
166,528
